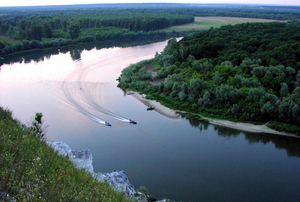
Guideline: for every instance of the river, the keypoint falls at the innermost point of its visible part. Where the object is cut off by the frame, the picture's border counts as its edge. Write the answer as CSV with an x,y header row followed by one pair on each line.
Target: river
x,y
174,158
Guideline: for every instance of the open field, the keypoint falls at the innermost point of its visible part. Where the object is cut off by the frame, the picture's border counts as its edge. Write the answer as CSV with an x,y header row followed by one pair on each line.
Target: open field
x,y
202,23
7,40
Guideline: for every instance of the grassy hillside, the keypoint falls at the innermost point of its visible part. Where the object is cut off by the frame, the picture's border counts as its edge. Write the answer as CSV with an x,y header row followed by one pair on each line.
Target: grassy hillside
x,y
31,171
204,23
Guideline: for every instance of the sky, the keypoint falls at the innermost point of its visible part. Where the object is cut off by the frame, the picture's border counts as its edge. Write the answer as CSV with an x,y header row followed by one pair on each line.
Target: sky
x,y
68,2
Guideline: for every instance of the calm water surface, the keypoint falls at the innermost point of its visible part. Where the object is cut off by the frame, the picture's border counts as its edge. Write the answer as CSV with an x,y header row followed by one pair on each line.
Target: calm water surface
x,y
178,159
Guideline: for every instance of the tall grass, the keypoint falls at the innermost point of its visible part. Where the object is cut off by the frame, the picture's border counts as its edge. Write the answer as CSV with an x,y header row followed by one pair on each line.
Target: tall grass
x,y
31,171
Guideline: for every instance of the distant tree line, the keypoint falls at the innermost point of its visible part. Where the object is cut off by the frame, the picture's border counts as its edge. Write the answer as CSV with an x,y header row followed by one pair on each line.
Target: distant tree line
x,y
85,23
248,72
62,27
60,42
69,24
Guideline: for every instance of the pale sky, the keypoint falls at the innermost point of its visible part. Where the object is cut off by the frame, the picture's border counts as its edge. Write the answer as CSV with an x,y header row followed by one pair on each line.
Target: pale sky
x,y
68,2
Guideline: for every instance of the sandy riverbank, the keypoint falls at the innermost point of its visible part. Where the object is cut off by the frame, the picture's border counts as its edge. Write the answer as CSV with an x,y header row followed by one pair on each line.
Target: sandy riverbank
x,y
165,111
247,127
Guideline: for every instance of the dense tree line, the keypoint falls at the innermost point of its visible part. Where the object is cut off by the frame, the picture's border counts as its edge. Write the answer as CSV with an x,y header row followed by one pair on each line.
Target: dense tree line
x,y
33,23
69,24
61,42
115,21
249,72
64,25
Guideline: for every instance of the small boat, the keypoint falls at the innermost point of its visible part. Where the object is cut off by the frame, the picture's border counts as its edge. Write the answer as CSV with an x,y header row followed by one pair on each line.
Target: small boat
x,y
132,121
107,124
130,93
150,108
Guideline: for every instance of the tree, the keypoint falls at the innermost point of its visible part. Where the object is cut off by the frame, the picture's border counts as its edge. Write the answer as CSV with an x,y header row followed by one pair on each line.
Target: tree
x,y
284,90
296,95
296,113
175,89
267,109
255,94
36,32
144,74
4,27
168,60
182,96
205,100
217,78
22,25
47,30
37,127
26,45
284,109
228,95
196,86
74,31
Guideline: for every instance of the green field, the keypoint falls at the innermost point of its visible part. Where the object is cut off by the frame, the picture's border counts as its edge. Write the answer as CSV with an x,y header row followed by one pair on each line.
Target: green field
x,y
203,23
7,41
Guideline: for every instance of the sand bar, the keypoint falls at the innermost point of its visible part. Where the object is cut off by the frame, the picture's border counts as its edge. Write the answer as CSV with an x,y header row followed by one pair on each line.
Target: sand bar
x,y
165,111
247,127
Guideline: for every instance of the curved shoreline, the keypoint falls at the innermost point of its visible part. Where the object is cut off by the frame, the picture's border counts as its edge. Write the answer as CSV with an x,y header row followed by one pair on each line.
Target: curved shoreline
x,y
163,110
246,127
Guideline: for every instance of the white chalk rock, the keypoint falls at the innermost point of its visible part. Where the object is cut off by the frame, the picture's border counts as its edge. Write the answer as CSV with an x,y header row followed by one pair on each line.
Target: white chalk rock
x,y
83,159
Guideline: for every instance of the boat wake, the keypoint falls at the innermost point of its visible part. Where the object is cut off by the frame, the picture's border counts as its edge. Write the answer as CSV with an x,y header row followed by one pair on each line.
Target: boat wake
x,y
82,91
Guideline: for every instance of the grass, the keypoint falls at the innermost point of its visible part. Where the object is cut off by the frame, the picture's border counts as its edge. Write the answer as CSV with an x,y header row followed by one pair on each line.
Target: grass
x,y
31,171
7,40
10,41
204,23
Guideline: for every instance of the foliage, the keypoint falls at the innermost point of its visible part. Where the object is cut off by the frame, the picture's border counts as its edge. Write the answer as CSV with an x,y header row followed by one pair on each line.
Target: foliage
x,y
30,170
37,128
246,72
81,25
85,23
143,190
74,31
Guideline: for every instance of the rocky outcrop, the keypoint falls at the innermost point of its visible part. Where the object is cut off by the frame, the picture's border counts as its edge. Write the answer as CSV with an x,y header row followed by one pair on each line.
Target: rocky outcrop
x,y
83,159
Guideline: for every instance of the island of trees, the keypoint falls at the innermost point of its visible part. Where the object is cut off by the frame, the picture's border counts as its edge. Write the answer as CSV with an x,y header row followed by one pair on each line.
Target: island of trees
x,y
247,72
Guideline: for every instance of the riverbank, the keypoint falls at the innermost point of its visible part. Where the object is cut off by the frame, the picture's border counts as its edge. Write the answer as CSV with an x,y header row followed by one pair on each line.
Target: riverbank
x,y
165,111
247,127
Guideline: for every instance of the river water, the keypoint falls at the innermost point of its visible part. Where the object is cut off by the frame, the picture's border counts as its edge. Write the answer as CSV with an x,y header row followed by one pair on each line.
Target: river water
x,y
174,158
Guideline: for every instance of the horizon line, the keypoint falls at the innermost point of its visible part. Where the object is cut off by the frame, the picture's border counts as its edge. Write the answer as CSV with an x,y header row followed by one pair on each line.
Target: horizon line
x,y
79,4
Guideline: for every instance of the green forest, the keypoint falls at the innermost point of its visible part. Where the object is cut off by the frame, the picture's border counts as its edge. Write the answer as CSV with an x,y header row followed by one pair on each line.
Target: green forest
x,y
40,27
44,27
247,72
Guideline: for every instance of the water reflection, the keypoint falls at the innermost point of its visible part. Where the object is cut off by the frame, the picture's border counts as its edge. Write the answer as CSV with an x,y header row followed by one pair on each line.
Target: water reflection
x,y
75,54
290,145
28,57
75,51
